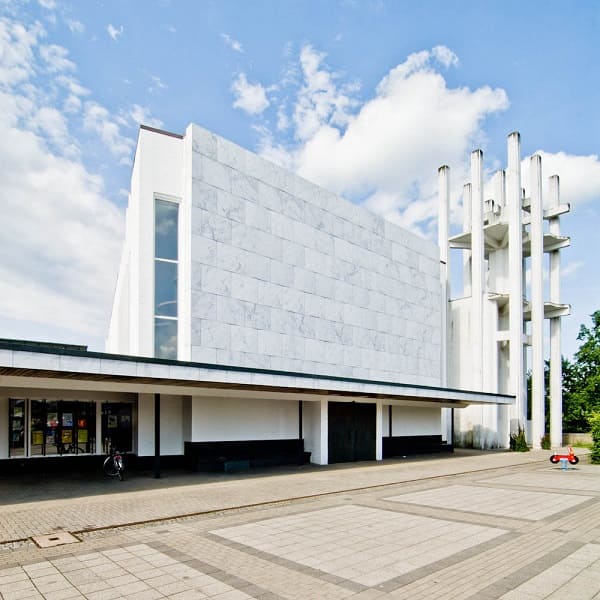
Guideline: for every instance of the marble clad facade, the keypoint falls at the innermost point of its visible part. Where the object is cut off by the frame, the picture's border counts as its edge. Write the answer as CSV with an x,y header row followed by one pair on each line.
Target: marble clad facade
x,y
281,274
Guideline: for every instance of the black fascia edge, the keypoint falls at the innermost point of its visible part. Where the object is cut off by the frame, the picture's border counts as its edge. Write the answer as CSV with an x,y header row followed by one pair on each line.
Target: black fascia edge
x,y
22,346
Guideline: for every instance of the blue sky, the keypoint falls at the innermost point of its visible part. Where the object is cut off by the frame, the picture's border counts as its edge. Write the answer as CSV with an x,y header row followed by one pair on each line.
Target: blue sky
x,y
367,98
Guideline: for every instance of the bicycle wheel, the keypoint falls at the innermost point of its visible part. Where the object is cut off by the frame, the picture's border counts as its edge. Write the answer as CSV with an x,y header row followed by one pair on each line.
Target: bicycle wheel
x,y
110,468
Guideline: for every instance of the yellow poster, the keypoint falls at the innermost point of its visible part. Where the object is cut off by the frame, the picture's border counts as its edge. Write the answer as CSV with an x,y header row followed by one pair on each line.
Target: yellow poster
x,y
37,437
82,436
67,436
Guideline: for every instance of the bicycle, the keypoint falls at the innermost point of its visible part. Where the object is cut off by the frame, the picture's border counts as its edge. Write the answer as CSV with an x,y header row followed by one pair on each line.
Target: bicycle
x,y
71,448
113,465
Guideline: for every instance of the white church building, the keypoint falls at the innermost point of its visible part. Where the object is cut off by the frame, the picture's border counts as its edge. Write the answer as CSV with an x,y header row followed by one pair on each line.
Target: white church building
x,y
260,319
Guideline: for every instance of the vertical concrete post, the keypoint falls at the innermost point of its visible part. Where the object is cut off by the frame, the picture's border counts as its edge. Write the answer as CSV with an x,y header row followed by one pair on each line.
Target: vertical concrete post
x,y
555,325
379,431
466,227
515,269
324,432
443,243
477,268
537,303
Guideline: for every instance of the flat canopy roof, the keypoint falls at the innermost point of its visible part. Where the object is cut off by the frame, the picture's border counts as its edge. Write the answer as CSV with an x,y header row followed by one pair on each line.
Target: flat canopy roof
x,y
60,366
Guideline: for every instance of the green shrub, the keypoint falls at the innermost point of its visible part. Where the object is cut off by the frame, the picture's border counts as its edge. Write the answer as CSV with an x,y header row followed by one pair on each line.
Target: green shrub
x,y
594,420
546,442
518,442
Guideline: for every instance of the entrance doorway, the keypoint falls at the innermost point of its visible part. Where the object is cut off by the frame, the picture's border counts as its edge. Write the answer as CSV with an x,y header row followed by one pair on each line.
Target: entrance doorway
x,y
117,426
352,431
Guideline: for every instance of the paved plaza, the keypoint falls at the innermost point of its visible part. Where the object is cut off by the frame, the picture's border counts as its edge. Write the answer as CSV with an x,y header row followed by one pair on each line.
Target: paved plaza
x,y
473,525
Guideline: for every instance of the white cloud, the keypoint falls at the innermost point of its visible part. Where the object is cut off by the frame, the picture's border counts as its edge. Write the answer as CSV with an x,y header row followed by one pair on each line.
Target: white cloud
x,y
47,4
113,32
140,115
97,119
232,43
387,148
156,84
75,26
250,97
17,56
61,236
56,59
579,176
571,268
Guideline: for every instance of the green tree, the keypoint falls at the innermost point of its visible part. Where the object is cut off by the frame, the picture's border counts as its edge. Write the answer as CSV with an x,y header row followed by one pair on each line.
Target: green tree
x,y
581,379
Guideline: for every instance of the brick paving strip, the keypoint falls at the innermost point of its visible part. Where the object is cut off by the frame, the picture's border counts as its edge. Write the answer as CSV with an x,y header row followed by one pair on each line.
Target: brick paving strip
x,y
20,520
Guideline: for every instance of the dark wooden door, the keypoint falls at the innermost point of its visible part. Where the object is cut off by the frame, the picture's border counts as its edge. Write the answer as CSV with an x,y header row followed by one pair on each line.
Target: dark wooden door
x,y
351,431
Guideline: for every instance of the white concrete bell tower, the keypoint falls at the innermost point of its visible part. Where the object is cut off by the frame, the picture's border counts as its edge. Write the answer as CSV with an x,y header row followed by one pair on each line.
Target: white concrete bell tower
x,y
496,332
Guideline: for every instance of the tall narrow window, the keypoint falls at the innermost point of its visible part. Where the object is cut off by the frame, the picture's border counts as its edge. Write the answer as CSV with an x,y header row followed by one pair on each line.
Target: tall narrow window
x,y
165,278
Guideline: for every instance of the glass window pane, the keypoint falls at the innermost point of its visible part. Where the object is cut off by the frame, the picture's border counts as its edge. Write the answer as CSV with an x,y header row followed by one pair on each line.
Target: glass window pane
x,y
165,229
16,425
38,427
165,338
165,289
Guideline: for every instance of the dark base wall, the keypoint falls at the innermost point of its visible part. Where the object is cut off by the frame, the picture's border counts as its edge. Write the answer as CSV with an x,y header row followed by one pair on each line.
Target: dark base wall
x,y
82,464
414,444
237,455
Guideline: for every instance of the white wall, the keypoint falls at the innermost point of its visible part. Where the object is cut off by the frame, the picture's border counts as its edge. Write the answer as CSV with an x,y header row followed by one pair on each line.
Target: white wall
x,y
228,419
412,420
157,171
171,425
4,426
314,442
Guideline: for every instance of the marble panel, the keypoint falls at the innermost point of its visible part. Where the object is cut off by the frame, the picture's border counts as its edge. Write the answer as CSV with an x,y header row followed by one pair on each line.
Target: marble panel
x,y
282,273
291,299
6,358
204,142
257,266
231,310
293,207
216,174
216,281
76,364
216,335
257,316
319,263
230,258
118,367
244,288
144,369
244,186
231,154
204,355
204,305
204,250
324,286
270,342
214,227
304,280
258,216
204,196
230,206
244,339
269,197
282,226
293,347
293,254
35,360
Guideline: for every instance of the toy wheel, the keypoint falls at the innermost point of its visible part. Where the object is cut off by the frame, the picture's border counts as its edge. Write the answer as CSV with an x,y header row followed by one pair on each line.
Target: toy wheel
x,y
574,460
554,459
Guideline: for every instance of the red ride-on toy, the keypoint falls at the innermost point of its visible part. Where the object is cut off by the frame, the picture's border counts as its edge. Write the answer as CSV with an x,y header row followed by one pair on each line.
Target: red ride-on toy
x,y
570,457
